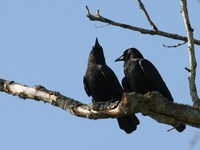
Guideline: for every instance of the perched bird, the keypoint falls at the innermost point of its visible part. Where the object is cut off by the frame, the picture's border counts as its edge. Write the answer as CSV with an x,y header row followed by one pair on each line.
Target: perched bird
x,y
101,83
141,76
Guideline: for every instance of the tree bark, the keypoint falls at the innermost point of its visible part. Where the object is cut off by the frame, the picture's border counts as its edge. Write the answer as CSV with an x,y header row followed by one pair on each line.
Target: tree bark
x,y
191,51
100,18
151,104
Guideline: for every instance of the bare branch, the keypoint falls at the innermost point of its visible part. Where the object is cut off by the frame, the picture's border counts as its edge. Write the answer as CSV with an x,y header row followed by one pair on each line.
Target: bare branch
x,y
187,69
174,46
193,64
88,11
147,15
152,104
141,30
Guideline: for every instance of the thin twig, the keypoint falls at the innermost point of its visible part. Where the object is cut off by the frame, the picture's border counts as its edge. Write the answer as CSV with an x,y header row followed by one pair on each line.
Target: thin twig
x,y
187,69
141,30
174,46
192,59
88,11
147,15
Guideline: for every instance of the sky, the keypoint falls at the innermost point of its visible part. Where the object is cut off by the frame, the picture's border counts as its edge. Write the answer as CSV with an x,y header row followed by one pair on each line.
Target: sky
x,y
47,42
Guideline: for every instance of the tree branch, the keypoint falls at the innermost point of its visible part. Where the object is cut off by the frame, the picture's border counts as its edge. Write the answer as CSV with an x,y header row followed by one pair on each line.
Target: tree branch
x,y
98,17
152,104
193,64
147,15
174,46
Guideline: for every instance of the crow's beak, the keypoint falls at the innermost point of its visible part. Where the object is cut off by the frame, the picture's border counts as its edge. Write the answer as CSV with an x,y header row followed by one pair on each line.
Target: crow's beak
x,y
121,58
97,43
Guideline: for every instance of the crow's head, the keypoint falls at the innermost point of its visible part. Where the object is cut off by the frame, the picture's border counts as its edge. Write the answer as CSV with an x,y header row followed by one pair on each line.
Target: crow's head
x,y
131,53
96,55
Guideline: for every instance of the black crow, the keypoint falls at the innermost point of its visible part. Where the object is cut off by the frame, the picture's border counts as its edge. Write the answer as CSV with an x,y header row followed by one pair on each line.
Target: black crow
x,y
101,83
141,76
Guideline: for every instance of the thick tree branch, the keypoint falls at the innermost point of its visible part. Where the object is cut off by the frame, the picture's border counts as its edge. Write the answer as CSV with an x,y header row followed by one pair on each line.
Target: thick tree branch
x,y
152,104
193,64
98,17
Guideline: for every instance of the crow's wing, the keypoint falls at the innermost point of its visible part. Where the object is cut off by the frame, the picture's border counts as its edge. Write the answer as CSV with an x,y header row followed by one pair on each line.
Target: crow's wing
x,y
125,85
112,80
155,78
86,87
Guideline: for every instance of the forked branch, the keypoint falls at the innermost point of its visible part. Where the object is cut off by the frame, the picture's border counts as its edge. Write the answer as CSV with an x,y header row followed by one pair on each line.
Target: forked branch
x,y
100,18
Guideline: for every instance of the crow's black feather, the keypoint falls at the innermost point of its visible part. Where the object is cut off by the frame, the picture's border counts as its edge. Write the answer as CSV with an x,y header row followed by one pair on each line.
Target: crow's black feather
x,y
141,76
101,83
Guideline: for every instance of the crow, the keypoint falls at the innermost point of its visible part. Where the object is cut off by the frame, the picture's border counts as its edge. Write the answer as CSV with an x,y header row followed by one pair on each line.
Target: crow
x,y
141,76
101,83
